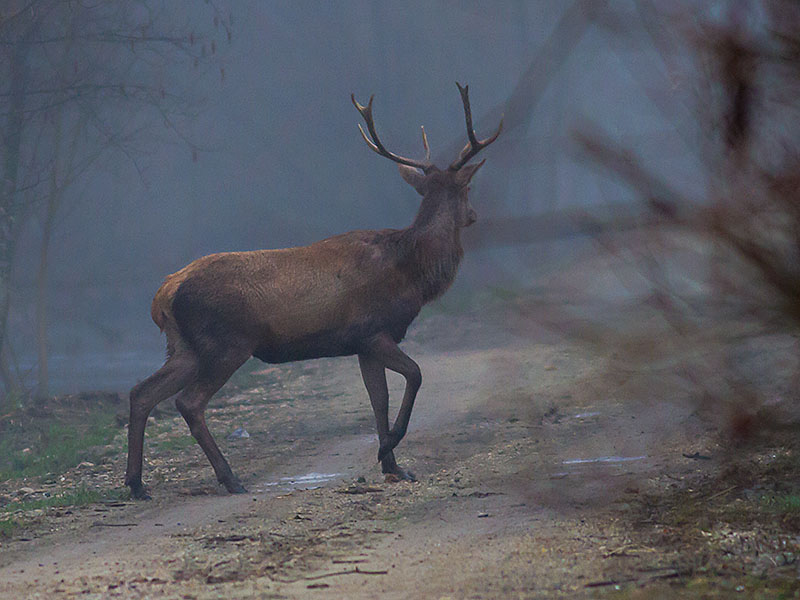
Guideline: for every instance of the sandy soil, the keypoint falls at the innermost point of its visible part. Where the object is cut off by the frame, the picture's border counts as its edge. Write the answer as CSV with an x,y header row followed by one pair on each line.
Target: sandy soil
x,y
536,460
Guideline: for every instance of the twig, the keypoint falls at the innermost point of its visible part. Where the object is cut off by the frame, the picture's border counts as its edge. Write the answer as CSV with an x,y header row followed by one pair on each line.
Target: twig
x,y
333,574
364,572
696,456
607,582
359,489
654,568
722,493
348,561
618,551
670,575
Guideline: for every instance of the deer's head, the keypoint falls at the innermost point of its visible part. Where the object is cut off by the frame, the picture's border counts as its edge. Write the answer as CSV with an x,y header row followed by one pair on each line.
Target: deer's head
x,y
444,191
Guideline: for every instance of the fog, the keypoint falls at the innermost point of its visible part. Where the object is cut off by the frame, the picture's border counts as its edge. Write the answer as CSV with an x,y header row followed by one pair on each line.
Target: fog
x,y
268,153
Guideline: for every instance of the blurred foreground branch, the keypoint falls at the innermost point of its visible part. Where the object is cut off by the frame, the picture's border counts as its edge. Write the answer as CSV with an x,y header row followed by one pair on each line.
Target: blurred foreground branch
x,y
747,73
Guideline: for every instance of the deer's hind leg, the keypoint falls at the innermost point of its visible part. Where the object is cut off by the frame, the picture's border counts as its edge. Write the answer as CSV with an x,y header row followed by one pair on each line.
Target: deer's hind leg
x,y
179,370
192,402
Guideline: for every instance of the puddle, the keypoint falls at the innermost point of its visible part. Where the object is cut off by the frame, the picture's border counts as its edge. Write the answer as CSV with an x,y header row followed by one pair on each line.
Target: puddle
x,y
602,459
309,481
345,459
586,415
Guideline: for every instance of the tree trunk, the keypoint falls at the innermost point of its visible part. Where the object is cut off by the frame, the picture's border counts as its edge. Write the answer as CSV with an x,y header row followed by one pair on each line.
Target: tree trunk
x,y
43,378
10,206
51,207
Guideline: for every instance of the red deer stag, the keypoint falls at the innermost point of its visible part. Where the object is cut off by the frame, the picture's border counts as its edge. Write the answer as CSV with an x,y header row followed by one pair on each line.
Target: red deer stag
x,y
354,293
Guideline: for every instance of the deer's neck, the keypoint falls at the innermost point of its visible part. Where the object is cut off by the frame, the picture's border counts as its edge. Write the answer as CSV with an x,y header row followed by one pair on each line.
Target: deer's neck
x,y
434,252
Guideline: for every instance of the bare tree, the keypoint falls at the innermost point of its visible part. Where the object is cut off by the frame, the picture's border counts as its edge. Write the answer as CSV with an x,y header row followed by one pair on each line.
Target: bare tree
x,y
83,82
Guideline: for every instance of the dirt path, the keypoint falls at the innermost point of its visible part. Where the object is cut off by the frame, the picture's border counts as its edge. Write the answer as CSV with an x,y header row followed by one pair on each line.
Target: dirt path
x,y
528,450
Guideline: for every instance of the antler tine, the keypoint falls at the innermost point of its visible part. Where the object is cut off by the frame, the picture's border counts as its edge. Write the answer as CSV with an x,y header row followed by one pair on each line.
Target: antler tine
x,y
474,145
375,143
425,143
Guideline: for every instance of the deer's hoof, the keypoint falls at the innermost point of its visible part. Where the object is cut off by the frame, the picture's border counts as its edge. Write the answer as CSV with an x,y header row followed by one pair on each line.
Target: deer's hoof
x,y
139,492
399,475
235,488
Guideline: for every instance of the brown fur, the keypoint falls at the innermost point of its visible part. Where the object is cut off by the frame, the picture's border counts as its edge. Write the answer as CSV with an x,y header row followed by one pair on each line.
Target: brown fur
x,y
358,283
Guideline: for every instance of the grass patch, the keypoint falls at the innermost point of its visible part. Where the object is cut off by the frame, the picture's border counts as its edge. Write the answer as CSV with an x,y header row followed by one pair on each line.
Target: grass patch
x,y
786,505
8,527
750,587
176,443
58,448
35,445
80,497
715,587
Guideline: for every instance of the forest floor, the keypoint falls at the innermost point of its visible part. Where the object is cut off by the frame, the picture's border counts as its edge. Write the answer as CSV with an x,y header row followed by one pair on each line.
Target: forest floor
x,y
548,467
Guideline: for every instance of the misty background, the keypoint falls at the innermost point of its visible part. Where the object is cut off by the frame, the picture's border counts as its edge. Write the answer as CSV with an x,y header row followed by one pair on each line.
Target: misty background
x,y
267,153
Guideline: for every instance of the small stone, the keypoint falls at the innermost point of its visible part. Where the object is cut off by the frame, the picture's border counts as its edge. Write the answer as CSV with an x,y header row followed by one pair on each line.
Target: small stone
x,y
238,434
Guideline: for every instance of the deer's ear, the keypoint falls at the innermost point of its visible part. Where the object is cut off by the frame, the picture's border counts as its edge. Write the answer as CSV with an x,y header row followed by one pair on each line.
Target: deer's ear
x,y
466,172
413,177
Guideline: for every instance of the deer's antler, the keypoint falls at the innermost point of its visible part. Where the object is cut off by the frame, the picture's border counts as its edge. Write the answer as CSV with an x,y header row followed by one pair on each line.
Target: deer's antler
x,y
473,145
378,147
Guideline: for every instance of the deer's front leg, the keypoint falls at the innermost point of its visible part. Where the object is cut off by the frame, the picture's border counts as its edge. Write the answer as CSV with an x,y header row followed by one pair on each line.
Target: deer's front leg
x,y
383,353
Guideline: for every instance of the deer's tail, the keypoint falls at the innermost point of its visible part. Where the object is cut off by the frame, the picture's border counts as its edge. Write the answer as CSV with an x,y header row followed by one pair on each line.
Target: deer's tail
x,y
161,308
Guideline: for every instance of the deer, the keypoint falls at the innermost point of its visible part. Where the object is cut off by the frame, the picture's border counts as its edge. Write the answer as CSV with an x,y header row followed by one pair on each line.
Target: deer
x,y
351,294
